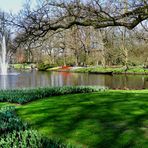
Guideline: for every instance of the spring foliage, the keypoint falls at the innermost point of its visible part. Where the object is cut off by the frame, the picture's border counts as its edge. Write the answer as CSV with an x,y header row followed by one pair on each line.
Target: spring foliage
x,y
22,96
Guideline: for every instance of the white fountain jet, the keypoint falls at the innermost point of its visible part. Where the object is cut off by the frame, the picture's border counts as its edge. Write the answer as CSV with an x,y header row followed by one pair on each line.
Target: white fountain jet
x,y
3,58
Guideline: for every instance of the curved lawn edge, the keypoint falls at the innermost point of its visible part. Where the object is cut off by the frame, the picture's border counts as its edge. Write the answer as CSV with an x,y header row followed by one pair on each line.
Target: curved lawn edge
x,y
16,133
22,96
88,119
94,119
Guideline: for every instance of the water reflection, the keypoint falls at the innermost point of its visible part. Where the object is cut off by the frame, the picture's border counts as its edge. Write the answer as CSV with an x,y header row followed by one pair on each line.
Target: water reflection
x,y
3,81
42,79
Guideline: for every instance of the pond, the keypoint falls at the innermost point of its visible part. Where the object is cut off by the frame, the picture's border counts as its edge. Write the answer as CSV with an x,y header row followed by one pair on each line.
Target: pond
x,y
29,79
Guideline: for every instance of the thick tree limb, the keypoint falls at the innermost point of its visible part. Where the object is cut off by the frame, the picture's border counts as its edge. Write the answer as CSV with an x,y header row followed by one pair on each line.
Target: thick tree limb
x,y
54,16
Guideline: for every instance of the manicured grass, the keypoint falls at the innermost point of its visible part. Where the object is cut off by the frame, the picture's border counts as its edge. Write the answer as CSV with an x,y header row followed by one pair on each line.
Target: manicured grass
x,y
131,70
110,119
3,104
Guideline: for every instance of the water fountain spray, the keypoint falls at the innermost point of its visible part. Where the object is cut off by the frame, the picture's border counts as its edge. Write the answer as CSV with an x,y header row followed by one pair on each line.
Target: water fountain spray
x,y
3,58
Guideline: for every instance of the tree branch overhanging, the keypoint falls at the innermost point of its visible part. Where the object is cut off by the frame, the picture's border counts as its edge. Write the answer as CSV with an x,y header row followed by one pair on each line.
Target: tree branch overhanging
x,y
54,16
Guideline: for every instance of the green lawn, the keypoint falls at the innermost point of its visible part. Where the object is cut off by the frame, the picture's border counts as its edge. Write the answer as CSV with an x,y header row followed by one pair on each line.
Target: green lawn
x,y
97,120
131,70
20,66
3,104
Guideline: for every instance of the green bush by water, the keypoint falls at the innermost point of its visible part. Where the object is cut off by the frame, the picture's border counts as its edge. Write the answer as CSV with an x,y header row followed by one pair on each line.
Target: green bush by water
x,y
22,96
43,66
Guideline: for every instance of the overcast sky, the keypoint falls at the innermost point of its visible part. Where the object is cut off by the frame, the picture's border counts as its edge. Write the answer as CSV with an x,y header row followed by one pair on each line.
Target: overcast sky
x,y
12,5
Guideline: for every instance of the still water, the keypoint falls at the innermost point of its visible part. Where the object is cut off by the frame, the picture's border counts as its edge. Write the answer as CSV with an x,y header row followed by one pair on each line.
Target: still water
x,y
43,79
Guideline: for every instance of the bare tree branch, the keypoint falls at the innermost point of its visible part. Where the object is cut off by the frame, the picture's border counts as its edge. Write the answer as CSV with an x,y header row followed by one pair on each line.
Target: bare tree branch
x,y
51,16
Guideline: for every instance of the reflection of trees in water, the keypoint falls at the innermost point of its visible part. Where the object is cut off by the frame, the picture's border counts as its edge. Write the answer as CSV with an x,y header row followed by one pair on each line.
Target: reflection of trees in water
x,y
145,82
42,79
4,82
125,85
127,81
66,77
109,81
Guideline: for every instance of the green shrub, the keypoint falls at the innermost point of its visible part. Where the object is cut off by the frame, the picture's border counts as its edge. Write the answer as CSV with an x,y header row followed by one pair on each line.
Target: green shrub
x,y
29,139
22,96
15,134
43,67
9,121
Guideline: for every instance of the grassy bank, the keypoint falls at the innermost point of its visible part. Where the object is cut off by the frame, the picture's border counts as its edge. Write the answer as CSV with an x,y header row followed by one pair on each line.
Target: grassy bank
x,y
96,120
132,70
21,66
99,70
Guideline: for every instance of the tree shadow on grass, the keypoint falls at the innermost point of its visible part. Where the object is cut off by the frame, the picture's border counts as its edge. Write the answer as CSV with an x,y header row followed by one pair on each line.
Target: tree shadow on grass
x,y
99,120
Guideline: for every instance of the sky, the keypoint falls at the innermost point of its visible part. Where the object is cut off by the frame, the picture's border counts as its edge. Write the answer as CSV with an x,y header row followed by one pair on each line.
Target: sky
x,y
12,5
